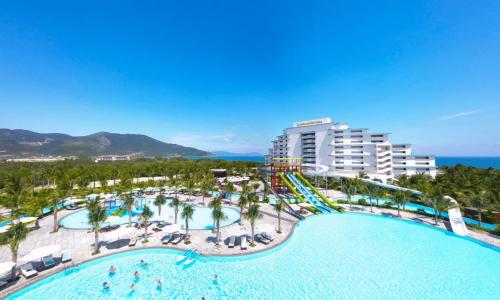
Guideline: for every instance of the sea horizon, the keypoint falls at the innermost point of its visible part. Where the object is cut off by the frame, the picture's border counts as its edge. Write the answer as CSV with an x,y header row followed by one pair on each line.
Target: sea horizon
x,y
472,161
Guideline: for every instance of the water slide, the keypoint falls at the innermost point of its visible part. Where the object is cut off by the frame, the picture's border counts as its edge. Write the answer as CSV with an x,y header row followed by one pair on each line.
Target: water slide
x,y
291,188
288,209
312,187
308,195
456,220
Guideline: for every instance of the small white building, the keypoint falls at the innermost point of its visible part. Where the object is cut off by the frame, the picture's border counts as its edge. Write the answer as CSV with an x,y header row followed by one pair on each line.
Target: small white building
x,y
347,151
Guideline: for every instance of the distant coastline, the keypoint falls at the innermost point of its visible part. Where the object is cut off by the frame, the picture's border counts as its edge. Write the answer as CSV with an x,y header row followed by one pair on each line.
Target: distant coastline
x,y
473,161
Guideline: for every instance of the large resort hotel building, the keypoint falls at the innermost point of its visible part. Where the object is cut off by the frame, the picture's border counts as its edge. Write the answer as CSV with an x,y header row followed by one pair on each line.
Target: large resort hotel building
x,y
347,151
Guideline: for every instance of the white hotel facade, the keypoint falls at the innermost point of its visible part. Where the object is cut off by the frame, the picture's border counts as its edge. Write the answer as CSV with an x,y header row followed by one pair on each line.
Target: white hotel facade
x,y
347,151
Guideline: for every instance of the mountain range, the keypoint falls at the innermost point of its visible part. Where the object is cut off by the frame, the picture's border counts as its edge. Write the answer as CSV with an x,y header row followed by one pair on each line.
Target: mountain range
x,y
23,143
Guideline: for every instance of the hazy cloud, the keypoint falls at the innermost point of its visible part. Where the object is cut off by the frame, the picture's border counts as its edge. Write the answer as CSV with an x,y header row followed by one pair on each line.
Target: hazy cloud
x,y
461,114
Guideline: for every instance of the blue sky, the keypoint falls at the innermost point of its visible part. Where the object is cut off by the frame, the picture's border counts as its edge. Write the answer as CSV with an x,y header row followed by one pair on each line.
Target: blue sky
x,y
230,75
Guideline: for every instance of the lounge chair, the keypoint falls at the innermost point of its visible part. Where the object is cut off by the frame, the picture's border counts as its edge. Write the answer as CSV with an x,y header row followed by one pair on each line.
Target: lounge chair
x,y
178,239
267,236
232,240
132,242
48,261
167,238
66,256
28,271
261,239
243,242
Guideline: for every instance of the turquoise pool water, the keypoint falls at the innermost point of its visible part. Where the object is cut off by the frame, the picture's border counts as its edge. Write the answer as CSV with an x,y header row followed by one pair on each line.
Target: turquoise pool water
x,y
202,218
340,256
417,207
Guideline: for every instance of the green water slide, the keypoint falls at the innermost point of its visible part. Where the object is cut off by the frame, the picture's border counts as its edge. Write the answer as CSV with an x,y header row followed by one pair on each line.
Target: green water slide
x,y
309,185
291,188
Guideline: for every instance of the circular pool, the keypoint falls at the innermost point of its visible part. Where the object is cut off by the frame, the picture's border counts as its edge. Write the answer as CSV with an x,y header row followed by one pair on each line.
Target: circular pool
x,y
340,256
202,218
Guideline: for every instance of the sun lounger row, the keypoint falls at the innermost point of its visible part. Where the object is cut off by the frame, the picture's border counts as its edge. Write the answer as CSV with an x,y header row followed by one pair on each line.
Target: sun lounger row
x,y
28,271
243,242
173,238
263,238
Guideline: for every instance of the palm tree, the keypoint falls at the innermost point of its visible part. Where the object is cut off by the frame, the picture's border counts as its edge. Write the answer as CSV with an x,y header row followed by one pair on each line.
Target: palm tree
x,y
146,214
187,214
175,204
17,233
216,204
16,193
349,189
253,214
480,200
129,202
190,185
255,186
278,207
159,201
96,216
399,199
242,203
218,215
63,189
371,190
438,203
229,189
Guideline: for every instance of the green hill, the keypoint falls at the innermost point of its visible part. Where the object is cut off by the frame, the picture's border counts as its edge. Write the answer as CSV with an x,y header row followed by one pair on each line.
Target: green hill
x,y
22,143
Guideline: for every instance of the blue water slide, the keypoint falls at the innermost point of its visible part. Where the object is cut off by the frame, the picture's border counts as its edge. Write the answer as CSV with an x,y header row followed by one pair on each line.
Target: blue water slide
x,y
308,195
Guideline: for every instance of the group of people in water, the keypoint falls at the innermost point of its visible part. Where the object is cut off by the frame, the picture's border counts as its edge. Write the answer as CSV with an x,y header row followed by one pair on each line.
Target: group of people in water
x,y
112,271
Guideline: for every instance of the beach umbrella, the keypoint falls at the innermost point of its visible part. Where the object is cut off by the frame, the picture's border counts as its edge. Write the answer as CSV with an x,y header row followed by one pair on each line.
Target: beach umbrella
x,y
172,228
38,253
123,231
4,229
27,219
6,268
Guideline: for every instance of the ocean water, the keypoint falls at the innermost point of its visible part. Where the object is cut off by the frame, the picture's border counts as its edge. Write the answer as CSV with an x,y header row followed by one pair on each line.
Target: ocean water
x,y
479,161
233,158
473,161
334,256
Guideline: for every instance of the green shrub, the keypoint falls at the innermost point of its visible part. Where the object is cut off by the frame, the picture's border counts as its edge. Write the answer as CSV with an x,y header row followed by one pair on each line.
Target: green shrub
x,y
342,201
362,201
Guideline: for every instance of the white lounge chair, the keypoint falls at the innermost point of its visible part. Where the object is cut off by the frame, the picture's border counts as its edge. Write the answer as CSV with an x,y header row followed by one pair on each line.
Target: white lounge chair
x,y
48,261
66,256
232,240
243,242
28,271
261,239
132,242
267,236
167,238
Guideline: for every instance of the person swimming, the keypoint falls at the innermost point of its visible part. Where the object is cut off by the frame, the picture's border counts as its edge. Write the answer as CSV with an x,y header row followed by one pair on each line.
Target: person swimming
x,y
136,274
112,270
143,263
132,287
216,279
158,283
105,285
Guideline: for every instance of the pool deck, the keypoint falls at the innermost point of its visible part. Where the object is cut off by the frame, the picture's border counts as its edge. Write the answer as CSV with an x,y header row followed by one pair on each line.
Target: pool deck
x,y
80,242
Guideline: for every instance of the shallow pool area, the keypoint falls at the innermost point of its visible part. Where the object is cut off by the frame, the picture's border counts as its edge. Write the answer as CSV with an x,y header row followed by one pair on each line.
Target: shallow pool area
x,y
202,218
337,256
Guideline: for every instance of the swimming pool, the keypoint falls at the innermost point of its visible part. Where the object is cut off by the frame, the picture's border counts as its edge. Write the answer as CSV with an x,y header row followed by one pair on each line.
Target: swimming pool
x,y
416,207
202,218
340,256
